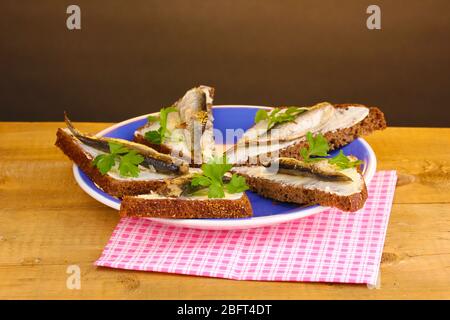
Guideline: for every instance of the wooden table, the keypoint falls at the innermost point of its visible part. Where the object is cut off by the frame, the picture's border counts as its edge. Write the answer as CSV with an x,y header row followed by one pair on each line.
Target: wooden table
x,y
47,223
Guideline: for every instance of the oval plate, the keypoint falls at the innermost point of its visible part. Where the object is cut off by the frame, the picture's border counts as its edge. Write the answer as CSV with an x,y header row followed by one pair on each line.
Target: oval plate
x,y
265,211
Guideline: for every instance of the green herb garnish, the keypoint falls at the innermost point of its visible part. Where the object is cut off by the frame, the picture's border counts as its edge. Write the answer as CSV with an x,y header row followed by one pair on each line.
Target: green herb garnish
x,y
278,116
237,184
160,135
343,162
104,162
128,165
212,178
318,147
128,160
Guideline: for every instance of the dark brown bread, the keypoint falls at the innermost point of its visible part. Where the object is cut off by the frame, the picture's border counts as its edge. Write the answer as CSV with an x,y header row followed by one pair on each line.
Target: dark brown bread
x,y
374,121
179,208
114,187
286,193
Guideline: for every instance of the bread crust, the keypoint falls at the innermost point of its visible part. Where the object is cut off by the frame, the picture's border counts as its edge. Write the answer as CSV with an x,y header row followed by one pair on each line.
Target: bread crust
x,y
294,194
179,208
114,187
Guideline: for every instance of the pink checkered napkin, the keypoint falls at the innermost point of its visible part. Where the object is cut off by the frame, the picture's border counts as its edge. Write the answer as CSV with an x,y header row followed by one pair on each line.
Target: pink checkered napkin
x,y
330,246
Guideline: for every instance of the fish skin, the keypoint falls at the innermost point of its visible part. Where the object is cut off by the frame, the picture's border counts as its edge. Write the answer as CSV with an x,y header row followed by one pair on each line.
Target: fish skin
x,y
96,143
195,111
180,186
321,169
160,162
318,114
192,102
317,117
195,132
291,130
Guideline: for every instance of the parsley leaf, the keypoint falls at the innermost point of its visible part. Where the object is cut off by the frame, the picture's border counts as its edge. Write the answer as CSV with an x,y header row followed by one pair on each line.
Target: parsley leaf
x,y
159,136
128,166
128,160
261,115
154,136
278,115
104,162
212,178
215,190
215,169
317,146
163,116
117,148
237,184
200,180
152,118
343,162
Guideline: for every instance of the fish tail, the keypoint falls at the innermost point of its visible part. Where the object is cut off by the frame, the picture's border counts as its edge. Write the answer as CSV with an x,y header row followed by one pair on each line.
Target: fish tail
x,y
70,126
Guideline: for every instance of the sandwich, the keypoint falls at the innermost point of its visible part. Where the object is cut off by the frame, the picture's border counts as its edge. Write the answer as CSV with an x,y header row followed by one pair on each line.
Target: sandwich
x,y
171,169
281,132
211,192
303,183
315,178
185,129
119,167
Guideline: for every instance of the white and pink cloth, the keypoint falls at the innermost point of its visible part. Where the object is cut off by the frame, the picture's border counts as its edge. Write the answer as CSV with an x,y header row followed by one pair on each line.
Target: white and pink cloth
x,y
331,246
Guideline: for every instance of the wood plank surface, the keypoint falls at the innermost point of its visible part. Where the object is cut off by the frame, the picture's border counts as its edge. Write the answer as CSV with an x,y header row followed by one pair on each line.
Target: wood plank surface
x,y
47,223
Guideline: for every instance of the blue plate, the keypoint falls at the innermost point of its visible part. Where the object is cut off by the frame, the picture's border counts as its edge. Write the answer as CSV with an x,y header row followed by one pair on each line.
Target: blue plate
x,y
265,211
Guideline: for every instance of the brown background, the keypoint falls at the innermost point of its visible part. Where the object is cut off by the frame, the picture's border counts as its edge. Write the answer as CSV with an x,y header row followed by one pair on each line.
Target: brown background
x,y
133,57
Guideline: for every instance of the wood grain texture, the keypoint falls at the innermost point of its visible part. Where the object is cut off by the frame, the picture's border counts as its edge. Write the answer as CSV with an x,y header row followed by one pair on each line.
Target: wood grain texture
x,y
47,223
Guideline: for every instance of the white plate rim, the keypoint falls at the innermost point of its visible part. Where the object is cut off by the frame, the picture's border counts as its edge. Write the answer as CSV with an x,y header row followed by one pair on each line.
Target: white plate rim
x,y
223,224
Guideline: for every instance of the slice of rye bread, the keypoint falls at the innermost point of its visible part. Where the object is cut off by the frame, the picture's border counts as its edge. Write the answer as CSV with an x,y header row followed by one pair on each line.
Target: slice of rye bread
x,y
114,187
163,148
296,194
179,208
375,120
